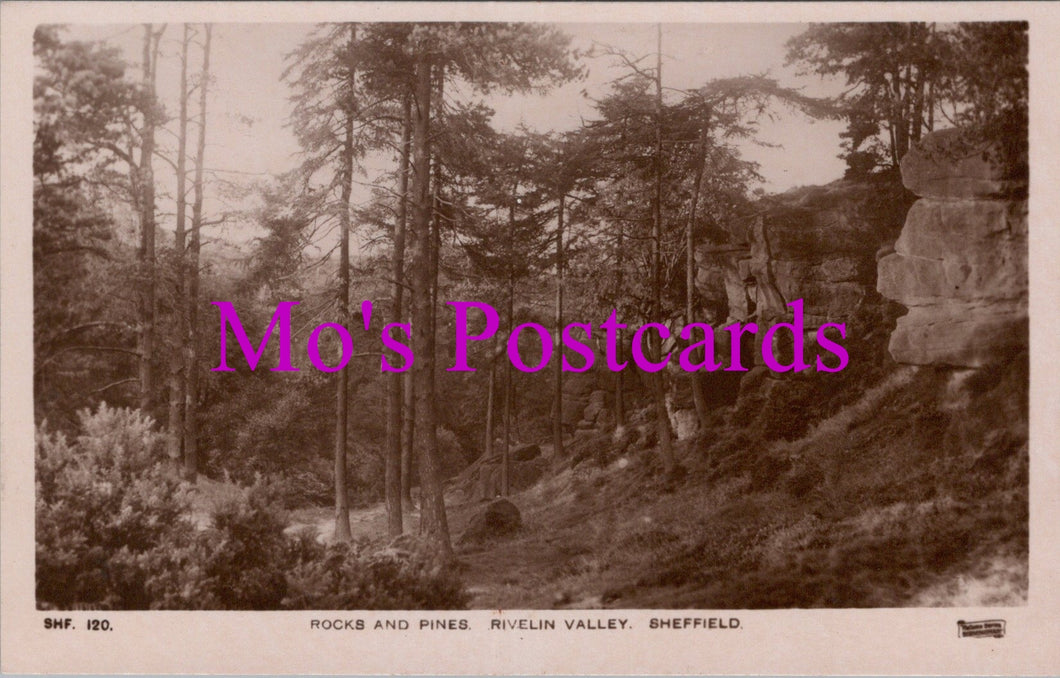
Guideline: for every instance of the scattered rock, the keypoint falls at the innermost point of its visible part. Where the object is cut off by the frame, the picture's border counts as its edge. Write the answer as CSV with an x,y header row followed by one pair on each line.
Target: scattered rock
x,y
685,423
499,518
605,420
573,407
526,452
622,438
577,387
589,444
598,401
452,459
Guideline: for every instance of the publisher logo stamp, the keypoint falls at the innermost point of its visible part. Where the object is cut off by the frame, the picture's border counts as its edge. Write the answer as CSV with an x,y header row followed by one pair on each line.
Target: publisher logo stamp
x,y
987,628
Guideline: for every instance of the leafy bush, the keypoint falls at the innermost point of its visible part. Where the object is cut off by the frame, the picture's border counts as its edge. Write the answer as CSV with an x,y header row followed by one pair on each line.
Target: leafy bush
x,y
244,560
113,532
110,521
309,484
339,577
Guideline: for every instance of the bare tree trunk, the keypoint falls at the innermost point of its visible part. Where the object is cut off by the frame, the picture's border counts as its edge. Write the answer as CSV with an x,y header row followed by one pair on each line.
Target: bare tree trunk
x,y
191,398
435,260
895,158
930,77
897,125
698,397
490,395
620,379
557,404
342,378
903,122
931,107
662,420
177,375
506,448
918,123
395,379
434,519
434,249
408,435
146,183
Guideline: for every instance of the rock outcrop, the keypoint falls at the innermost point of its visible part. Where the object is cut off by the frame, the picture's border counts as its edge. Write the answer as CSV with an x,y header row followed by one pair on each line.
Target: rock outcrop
x,y
960,263
818,244
587,400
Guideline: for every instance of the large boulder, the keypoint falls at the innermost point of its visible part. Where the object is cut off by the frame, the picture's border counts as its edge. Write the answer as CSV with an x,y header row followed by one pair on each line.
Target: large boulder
x,y
525,474
960,263
497,519
526,452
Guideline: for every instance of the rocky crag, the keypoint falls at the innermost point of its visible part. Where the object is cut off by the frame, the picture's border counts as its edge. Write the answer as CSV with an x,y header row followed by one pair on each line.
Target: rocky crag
x,y
818,244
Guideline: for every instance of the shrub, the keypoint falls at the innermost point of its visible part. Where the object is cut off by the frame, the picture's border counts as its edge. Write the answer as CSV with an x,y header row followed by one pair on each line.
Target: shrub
x,y
339,577
110,521
309,484
113,532
244,558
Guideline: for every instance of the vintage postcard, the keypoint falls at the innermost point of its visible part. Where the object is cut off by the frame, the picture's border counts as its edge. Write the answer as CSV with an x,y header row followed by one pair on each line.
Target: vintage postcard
x,y
538,338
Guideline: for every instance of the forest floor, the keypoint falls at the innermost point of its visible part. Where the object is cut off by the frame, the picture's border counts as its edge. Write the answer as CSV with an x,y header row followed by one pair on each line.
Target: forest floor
x,y
896,500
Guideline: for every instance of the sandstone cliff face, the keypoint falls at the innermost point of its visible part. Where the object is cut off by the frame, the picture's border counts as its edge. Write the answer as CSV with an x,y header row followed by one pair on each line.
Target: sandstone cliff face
x,y
818,244
960,263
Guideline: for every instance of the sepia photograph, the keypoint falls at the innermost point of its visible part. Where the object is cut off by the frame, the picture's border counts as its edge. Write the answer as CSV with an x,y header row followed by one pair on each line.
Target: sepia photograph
x,y
600,325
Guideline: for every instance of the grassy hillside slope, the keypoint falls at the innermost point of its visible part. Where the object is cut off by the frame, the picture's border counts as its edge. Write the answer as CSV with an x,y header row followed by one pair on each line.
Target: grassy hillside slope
x,y
913,492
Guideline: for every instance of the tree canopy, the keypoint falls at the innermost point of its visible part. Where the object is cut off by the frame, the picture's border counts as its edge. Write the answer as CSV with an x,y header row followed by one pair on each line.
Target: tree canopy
x,y
905,79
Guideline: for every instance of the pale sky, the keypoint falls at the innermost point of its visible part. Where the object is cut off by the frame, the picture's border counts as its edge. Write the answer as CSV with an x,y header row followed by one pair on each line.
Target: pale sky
x,y
248,108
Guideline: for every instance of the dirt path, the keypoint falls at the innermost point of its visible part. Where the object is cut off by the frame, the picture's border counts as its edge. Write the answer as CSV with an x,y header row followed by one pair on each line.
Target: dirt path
x,y
365,523
543,566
